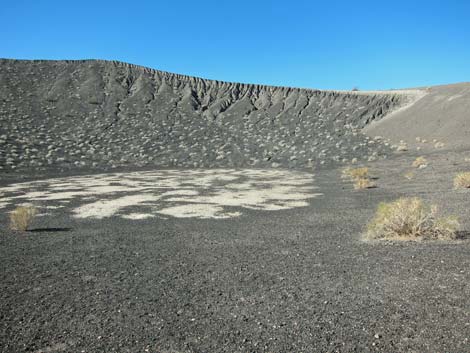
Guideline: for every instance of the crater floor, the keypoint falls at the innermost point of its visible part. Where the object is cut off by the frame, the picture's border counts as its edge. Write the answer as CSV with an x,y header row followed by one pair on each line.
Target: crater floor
x,y
298,278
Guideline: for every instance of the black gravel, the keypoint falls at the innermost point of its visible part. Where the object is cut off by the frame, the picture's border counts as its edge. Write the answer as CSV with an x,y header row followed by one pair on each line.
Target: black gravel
x,y
287,281
300,280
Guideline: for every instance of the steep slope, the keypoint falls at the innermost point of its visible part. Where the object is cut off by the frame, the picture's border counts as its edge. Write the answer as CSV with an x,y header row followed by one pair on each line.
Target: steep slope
x,y
101,114
442,113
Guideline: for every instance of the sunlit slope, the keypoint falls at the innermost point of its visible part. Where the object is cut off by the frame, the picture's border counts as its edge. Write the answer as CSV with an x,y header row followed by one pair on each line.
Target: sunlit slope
x,y
102,114
442,113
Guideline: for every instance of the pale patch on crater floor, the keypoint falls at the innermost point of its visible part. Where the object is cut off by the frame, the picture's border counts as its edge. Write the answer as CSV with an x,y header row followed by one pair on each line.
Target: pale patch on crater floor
x,y
203,194
137,216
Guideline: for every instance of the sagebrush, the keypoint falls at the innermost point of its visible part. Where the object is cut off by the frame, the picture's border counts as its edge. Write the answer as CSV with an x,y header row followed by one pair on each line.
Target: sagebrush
x,y
411,219
355,173
462,180
360,176
420,162
364,183
22,217
402,147
409,175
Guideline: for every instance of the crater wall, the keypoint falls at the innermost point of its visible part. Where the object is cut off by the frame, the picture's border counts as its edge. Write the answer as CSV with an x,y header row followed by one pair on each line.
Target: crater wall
x,y
104,114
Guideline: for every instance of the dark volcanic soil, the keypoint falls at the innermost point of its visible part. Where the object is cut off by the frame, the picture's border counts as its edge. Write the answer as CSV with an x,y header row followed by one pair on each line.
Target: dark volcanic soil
x,y
287,281
297,280
65,115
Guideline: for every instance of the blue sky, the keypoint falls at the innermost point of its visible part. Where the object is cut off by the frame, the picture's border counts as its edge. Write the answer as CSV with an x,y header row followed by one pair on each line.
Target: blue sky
x,y
317,44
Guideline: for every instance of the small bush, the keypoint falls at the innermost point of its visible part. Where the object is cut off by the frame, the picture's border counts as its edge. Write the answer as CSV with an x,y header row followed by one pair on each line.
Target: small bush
x,y
462,180
409,175
410,219
22,217
420,162
356,173
364,183
402,147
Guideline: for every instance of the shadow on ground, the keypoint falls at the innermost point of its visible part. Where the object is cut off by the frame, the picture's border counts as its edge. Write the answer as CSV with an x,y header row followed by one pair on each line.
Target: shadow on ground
x,y
49,230
463,235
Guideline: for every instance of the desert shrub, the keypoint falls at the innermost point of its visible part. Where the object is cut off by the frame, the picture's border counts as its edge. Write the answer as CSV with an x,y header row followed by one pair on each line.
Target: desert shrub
x,y
409,175
420,162
410,219
360,177
462,180
364,183
22,217
403,146
439,145
355,173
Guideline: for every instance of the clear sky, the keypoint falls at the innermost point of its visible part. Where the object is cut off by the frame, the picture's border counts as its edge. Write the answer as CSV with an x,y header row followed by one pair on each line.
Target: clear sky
x,y
318,44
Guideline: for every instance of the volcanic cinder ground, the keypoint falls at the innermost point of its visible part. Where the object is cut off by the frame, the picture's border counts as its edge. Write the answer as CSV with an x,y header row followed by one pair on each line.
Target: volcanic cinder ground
x,y
178,214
